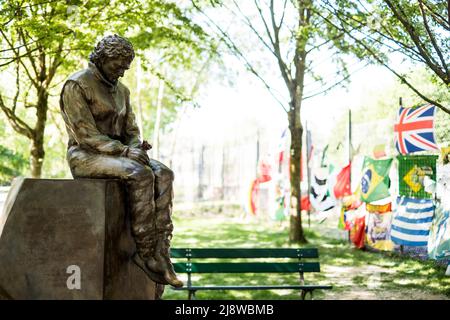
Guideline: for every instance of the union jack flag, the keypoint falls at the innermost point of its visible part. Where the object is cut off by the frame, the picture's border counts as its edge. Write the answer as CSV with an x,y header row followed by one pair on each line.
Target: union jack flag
x,y
414,130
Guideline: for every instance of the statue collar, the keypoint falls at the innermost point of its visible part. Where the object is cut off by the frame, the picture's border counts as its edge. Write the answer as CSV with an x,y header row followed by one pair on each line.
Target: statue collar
x,y
112,86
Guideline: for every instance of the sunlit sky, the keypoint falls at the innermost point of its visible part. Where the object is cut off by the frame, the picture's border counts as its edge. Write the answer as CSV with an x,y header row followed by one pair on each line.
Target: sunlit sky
x,y
225,107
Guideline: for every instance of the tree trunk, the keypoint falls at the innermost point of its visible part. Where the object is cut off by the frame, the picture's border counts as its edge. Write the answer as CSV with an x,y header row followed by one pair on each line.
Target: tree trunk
x,y
295,86
296,233
37,158
37,144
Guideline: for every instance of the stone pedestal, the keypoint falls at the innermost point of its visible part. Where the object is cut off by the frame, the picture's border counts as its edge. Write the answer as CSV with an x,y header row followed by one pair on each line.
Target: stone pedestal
x,y
69,239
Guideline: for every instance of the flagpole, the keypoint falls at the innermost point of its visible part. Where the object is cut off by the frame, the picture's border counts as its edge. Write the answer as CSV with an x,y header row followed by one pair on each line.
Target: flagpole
x,y
400,103
308,171
350,153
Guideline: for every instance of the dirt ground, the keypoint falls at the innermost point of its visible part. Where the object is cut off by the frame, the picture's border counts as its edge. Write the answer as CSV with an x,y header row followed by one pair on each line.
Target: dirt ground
x,y
344,276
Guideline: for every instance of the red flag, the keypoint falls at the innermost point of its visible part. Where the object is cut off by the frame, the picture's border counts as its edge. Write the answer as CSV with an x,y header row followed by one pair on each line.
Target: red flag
x,y
254,192
342,187
358,232
305,203
264,172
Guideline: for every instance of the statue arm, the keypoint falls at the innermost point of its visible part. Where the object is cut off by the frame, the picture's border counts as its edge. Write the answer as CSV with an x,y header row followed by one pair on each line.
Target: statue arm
x,y
81,123
131,129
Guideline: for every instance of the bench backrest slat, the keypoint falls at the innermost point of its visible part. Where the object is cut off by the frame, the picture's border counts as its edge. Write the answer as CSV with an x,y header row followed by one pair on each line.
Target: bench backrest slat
x,y
244,253
247,267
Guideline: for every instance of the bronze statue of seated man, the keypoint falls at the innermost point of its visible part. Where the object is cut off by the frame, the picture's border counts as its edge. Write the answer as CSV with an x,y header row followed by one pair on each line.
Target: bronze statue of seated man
x,y
104,142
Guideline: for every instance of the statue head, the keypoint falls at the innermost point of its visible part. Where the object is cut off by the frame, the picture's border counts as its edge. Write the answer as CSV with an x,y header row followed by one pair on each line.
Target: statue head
x,y
112,55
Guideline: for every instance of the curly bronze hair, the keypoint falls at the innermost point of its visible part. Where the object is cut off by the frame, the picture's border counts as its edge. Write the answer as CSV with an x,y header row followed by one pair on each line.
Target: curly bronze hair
x,y
111,47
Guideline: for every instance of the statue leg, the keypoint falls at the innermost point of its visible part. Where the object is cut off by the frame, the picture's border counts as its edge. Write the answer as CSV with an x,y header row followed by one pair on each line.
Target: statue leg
x,y
141,185
164,227
163,197
140,189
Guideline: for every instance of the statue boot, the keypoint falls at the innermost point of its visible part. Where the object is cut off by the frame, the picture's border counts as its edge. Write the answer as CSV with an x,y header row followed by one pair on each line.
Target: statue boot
x,y
160,262
141,257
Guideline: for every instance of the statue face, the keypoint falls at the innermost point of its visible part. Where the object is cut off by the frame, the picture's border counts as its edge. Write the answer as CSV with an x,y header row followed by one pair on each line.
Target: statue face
x,y
114,68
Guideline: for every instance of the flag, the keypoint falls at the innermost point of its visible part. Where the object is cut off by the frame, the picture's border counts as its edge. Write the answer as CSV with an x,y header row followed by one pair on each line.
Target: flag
x,y
379,151
443,187
439,240
412,221
341,222
414,130
350,216
375,180
282,147
319,195
378,208
379,227
282,199
357,232
264,175
305,203
445,155
349,206
342,186
412,171
324,157
351,202
253,196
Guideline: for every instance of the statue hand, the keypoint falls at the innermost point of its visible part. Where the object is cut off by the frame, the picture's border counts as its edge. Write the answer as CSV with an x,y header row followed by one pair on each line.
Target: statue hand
x,y
145,145
138,155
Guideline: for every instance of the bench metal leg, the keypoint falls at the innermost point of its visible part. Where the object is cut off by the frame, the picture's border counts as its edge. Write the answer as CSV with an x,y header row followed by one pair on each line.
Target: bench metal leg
x,y
305,292
191,295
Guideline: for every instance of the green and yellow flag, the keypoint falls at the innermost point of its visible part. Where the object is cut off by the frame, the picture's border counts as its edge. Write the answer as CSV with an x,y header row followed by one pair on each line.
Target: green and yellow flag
x,y
412,171
375,180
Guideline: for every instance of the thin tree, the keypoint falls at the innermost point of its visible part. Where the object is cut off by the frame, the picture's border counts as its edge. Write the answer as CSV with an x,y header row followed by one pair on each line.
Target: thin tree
x,y
292,33
41,38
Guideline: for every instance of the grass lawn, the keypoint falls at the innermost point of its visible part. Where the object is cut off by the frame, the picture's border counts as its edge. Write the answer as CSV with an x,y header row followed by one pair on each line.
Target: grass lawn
x,y
354,274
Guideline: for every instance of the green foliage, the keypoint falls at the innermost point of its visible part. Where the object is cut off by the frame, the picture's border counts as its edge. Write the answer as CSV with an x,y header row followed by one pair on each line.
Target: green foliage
x,y
12,165
51,38
78,25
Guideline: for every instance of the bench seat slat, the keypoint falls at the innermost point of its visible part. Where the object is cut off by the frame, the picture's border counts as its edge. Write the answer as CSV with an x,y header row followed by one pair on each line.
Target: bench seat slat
x,y
296,287
247,267
244,253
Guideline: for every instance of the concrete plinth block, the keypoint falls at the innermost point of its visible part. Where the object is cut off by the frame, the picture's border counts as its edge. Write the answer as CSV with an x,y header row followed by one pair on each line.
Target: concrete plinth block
x,y
69,239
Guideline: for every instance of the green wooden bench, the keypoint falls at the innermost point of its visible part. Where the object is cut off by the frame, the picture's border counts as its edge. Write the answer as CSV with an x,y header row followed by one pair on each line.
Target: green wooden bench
x,y
191,266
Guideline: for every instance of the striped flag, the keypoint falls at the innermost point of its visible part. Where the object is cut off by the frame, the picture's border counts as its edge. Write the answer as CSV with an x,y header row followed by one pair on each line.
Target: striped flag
x,y
414,130
412,221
